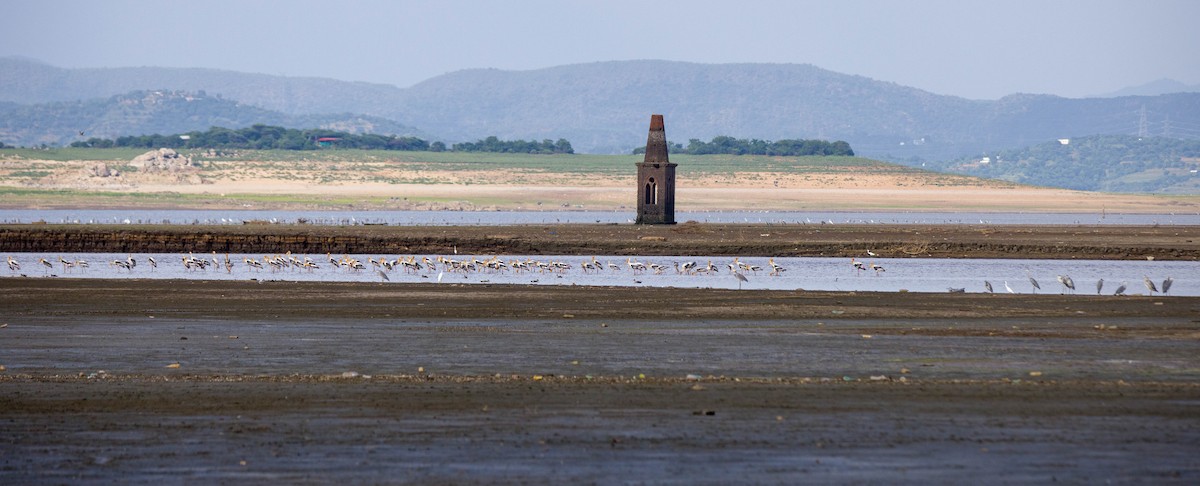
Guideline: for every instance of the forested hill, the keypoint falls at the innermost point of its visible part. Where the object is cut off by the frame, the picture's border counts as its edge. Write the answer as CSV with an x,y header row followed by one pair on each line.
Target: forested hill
x,y
1115,163
604,107
161,112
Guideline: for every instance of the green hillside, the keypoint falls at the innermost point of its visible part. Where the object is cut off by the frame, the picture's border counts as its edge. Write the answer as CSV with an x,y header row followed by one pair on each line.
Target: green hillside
x,y
160,112
1114,163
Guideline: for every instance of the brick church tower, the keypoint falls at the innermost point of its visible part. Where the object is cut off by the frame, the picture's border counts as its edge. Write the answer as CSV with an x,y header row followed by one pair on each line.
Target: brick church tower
x,y
656,179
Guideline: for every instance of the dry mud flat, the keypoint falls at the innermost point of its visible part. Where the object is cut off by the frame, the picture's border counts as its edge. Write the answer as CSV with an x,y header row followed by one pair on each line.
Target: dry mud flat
x,y
324,382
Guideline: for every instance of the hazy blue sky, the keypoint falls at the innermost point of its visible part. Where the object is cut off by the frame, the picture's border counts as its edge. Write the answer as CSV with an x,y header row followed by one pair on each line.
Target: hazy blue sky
x,y
980,50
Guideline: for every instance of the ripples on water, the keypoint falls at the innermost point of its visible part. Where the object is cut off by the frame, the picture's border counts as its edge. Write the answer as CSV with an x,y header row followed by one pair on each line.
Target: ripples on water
x,y
834,274
442,218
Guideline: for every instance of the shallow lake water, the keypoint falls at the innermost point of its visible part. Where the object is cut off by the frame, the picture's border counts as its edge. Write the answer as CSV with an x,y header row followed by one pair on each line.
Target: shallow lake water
x,y
808,273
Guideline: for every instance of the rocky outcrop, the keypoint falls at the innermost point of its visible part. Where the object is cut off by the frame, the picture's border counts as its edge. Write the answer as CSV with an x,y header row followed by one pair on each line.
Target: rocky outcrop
x,y
103,170
162,160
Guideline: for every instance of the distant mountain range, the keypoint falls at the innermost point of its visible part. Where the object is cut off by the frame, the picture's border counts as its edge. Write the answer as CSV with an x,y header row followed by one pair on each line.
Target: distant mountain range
x,y
1153,88
601,107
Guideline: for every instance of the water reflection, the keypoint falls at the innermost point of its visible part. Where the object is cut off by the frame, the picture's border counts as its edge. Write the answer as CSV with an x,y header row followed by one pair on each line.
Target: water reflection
x,y
835,274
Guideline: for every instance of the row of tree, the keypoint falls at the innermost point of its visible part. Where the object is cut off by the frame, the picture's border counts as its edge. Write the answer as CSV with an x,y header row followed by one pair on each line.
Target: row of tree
x,y
262,137
740,146
266,137
493,144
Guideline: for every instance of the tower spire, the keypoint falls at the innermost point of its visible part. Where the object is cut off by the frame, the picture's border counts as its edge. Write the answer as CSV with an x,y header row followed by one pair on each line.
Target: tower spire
x,y
656,142
656,178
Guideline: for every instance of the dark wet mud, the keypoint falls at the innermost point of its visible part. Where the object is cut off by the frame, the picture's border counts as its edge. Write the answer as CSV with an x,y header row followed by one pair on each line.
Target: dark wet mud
x,y
149,381
779,240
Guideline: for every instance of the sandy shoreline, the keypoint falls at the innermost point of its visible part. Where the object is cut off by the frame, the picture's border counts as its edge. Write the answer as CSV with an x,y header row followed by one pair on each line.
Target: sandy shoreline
x,y
377,196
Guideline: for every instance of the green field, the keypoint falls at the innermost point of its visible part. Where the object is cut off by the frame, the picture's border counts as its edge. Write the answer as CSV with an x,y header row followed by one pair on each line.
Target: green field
x,y
601,165
72,153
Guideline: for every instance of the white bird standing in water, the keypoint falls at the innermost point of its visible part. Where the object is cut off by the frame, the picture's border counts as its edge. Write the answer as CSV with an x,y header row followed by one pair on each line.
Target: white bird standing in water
x,y
1008,288
1149,285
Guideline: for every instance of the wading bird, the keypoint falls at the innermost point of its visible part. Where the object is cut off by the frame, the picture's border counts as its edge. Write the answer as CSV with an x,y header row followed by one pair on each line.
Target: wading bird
x,y
1008,288
1120,289
1099,286
741,278
1066,282
775,267
750,267
1149,284
987,285
13,264
858,266
1166,286
1033,282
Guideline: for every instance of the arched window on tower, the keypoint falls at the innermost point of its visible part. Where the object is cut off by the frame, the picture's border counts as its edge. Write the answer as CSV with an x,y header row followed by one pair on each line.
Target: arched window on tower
x,y
651,192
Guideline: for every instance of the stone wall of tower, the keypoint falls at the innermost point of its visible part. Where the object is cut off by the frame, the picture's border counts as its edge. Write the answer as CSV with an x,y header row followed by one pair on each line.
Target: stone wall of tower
x,y
656,179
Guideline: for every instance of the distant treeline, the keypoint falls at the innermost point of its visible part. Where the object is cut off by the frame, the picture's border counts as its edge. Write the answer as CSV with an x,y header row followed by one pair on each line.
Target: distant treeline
x,y
740,146
265,137
493,144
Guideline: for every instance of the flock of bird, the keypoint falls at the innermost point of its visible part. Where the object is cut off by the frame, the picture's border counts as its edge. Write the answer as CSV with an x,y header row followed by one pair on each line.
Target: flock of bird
x,y
426,266
411,264
1068,285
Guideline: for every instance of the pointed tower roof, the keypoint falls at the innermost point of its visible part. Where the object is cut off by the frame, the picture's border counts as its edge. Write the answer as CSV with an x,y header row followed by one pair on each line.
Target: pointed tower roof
x,y
656,142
